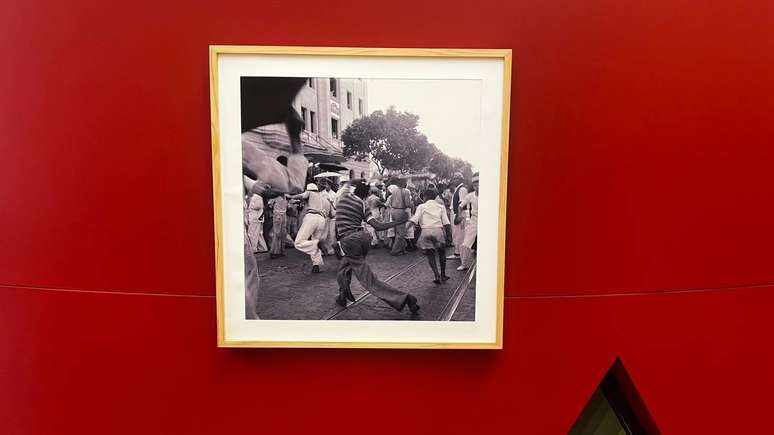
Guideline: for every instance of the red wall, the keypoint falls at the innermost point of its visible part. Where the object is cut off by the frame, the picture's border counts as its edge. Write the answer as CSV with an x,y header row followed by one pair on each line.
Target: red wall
x,y
640,221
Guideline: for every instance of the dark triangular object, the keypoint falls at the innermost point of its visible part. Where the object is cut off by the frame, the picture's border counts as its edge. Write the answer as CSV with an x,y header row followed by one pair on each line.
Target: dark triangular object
x,y
615,408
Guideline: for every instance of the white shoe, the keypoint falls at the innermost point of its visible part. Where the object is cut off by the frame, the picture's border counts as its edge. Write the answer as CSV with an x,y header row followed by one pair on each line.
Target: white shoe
x,y
462,268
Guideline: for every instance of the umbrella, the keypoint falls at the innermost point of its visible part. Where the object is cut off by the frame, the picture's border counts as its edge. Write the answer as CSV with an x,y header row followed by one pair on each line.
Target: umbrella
x,y
327,174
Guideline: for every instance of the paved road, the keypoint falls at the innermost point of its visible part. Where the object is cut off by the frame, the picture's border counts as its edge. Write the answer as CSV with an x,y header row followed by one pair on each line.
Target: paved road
x,y
290,291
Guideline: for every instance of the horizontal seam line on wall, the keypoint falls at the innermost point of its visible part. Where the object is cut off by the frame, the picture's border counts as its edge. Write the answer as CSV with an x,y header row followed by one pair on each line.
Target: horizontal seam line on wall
x,y
110,292
617,293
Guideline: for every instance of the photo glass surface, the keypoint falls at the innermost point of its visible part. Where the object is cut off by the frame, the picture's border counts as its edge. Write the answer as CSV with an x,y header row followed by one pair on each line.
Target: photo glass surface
x,y
336,159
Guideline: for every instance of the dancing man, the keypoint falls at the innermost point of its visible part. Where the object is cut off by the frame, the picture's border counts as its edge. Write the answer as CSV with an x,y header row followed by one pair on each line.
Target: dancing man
x,y
353,246
312,234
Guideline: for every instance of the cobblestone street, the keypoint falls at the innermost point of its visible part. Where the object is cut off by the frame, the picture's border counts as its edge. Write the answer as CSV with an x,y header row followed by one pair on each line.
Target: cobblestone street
x,y
290,291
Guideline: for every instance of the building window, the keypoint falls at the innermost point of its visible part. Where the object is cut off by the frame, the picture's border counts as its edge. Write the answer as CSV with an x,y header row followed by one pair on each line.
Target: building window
x,y
335,128
312,121
334,86
360,106
349,100
305,118
310,82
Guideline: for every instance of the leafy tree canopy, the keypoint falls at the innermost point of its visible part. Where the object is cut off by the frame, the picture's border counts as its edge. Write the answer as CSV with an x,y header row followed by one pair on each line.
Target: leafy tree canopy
x,y
392,141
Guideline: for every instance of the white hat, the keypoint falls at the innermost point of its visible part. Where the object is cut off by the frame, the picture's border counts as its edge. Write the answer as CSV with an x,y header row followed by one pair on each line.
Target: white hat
x,y
312,186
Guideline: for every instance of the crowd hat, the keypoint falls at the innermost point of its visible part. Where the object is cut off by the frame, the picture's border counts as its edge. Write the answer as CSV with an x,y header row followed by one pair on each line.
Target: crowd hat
x,y
312,186
475,177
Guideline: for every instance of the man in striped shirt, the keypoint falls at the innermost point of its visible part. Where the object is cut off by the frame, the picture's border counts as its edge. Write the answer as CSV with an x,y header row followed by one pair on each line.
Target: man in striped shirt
x,y
353,245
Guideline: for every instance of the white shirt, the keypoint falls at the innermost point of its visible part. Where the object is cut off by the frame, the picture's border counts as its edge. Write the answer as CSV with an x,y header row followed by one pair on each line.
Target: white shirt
x,y
471,200
315,200
255,207
430,214
329,198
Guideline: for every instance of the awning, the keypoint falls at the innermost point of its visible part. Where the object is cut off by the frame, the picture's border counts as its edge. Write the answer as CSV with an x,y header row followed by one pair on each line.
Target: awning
x,y
323,158
333,167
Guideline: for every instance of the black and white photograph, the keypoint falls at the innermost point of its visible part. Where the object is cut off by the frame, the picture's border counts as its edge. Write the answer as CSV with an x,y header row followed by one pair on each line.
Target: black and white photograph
x,y
360,200
362,203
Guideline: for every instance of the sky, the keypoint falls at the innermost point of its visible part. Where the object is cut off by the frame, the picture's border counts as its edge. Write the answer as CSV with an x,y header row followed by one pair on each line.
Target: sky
x,y
449,111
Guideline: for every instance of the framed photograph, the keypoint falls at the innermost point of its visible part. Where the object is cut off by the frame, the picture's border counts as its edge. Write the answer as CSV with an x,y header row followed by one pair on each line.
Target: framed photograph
x,y
359,196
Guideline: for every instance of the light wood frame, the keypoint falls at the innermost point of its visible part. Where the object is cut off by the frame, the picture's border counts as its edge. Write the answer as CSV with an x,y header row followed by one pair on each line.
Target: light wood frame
x,y
217,50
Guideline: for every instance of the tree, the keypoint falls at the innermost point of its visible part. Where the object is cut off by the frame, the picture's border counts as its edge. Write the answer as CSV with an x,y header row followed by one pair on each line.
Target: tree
x,y
441,165
466,168
444,166
390,139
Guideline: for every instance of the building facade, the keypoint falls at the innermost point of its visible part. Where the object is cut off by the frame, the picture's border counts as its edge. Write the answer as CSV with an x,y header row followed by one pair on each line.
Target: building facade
x,y
329,105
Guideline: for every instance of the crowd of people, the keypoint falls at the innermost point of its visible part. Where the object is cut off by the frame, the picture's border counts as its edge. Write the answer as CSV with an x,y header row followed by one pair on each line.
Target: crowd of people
x,y
348,219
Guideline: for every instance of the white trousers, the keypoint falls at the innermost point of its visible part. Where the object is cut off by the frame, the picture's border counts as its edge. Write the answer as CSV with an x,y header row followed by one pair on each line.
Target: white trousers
x,y
330,235
469,238
312,230
458,234
255,233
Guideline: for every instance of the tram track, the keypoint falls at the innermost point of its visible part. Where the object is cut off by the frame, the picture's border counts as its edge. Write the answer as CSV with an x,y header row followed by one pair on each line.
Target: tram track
x,y
454,301
339,310
446,314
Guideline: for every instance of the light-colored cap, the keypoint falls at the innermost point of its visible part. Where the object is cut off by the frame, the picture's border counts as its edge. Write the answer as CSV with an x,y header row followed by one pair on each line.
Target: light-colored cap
x,y
312,186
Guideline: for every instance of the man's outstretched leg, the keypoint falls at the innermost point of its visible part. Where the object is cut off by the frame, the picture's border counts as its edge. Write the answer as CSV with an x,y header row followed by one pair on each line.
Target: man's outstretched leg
x,y
344,278
389,294
355,248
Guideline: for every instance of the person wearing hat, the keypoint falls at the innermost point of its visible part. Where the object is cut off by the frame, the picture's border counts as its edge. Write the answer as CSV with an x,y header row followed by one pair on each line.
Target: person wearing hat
x,y
313,228
457,217
352,247
470,203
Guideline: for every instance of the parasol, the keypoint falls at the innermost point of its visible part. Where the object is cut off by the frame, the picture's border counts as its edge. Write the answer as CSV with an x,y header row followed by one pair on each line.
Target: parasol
x,y
327,174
